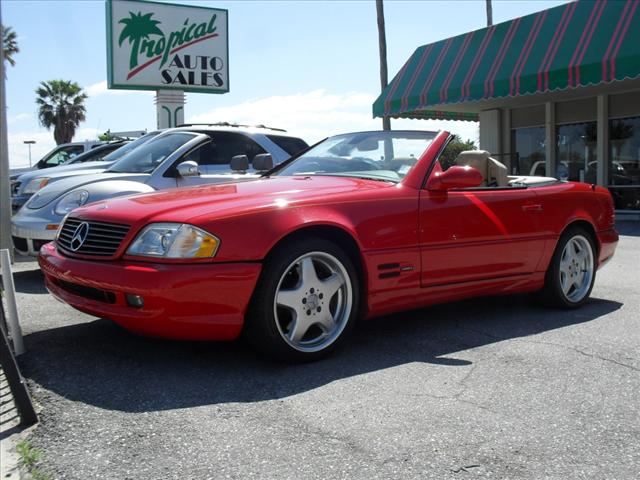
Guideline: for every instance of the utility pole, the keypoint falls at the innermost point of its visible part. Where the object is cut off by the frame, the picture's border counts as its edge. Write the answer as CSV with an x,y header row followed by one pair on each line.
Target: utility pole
x,y
382,45
5,193
489,13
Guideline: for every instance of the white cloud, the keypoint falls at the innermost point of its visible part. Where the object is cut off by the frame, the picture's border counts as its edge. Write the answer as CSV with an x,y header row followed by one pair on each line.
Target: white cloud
x,y
19,152
18,118
100,88
317,114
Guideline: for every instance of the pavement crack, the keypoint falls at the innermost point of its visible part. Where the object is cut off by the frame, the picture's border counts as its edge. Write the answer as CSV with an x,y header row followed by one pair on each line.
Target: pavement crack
x,y
560,345
582,352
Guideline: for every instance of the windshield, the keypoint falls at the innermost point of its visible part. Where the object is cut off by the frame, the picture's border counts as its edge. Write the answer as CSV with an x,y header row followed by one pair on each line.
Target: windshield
x,y
97,153
148,156
387,156
119,152
122,151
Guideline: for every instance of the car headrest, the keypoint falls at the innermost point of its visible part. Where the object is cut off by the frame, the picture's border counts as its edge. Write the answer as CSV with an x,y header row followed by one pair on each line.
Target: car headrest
x,y
263,162
240,163
469,157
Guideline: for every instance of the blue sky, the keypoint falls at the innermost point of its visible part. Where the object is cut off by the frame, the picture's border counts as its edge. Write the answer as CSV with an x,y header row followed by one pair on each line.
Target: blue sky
x,y
308,66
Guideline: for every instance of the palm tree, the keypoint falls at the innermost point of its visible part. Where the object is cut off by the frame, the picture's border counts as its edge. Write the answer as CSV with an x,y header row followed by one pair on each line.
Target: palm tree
x,y
382,47
9,44
61,106
136,28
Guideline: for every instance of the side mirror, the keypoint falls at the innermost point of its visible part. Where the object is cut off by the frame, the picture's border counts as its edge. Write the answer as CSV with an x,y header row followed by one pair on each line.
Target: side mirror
x,y
240,163
455,177
263,162
188,168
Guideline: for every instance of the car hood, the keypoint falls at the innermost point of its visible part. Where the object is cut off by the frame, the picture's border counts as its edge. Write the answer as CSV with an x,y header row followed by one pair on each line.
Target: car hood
x,y
59,175
63,170
54,191
188,204
14,173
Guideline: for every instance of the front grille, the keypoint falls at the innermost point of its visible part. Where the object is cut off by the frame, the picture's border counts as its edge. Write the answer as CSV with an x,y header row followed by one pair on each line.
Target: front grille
x,y
88,292
20,243
102,239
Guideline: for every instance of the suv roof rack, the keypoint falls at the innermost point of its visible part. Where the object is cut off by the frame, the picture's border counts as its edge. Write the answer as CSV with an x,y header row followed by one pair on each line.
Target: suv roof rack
x,y
227,124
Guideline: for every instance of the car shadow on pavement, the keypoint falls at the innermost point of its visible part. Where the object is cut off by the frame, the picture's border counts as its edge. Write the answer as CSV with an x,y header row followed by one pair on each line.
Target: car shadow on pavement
x,y
100,364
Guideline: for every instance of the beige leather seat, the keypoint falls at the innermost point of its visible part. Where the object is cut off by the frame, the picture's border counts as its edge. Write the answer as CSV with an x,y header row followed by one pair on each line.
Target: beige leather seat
x,y
494,173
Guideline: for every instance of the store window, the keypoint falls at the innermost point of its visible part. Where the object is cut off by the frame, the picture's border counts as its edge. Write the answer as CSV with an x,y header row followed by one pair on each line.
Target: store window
x,y
576,158
529,145
624,162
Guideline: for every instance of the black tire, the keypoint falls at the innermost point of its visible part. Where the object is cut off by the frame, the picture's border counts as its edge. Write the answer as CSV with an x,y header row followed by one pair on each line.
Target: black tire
x,y
270,327
553,293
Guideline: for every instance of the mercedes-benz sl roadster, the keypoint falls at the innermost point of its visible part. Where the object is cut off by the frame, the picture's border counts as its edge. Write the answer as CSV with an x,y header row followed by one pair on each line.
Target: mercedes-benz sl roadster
x,y
360,225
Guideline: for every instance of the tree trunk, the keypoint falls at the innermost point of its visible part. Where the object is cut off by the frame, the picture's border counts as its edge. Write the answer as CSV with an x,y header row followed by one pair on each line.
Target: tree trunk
x,y
489,13
382,46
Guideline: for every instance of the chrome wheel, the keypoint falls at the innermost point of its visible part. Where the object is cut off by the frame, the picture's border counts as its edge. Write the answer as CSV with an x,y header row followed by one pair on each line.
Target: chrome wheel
x,y
313,301
576,268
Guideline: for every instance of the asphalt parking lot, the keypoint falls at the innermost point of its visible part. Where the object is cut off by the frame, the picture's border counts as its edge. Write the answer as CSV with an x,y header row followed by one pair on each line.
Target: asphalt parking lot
x,y
494,388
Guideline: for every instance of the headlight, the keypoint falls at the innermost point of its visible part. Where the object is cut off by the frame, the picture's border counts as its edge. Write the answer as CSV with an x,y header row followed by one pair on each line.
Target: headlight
x,y
70,201
174,240
36,184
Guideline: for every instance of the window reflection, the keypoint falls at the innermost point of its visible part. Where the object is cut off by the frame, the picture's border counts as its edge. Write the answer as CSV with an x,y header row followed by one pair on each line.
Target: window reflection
x,y
529,145
624,162
577,160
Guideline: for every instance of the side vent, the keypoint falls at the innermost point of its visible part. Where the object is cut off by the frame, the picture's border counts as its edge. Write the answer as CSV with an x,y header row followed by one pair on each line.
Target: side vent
x,y
390,270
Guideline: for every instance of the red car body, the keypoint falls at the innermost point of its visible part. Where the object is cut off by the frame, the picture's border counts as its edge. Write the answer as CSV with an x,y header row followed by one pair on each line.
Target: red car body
x,y
413,246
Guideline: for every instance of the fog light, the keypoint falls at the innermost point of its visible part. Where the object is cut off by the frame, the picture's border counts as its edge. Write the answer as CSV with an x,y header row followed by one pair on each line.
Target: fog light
x,y
135,300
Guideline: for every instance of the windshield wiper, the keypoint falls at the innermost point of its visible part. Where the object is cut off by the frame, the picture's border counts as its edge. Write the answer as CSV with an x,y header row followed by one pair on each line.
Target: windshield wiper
x,y
363,177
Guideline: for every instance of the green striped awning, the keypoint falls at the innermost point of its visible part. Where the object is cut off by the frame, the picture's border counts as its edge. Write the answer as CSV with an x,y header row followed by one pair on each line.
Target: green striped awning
x,y
581,43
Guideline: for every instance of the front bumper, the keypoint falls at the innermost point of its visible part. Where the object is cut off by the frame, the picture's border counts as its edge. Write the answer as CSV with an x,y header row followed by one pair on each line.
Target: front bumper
x,y
30,232
181,301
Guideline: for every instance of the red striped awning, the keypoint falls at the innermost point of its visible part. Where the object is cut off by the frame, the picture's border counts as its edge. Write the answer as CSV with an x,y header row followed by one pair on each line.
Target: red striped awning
x,y
578,44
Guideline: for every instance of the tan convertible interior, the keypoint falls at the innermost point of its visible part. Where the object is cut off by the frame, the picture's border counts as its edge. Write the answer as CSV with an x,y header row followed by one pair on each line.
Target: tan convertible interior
x,y
495,173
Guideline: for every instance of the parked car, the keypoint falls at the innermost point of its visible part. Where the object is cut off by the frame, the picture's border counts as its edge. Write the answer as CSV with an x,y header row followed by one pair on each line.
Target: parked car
x,y
177,157
28,183
59,155
96,160
360,225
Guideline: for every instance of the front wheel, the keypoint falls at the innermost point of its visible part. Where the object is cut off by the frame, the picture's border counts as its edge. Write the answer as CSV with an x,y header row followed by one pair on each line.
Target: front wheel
x,y
572,271
305,302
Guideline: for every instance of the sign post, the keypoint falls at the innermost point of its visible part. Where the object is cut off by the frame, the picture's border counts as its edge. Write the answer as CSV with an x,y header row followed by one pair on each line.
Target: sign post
x,y
168,48
170,108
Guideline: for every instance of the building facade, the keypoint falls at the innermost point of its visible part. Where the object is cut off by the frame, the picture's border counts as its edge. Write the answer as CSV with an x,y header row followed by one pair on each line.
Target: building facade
x,y
556,93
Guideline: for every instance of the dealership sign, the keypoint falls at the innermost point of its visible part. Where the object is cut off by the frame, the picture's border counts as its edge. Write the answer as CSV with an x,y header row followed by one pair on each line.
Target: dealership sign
x,y
158,46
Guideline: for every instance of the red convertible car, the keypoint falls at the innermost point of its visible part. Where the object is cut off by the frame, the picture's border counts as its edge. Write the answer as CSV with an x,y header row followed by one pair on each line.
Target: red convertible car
x,y
359,225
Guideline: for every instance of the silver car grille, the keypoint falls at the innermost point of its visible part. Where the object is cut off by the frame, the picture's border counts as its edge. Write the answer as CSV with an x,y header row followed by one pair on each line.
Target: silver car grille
x,y
88,237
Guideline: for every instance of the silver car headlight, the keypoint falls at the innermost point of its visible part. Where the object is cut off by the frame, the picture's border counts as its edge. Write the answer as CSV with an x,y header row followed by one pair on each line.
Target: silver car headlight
x,y
71,200
174,240
36,184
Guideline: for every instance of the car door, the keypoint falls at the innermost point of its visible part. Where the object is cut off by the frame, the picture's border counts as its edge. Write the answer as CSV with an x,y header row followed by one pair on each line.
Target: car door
x,y
479,234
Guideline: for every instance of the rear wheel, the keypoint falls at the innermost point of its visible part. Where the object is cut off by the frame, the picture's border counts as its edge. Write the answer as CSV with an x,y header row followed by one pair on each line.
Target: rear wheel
x,y
572,271
305,302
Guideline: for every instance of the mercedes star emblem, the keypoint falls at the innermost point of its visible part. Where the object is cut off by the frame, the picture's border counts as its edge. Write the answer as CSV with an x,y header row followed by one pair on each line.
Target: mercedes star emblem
x,y
79,236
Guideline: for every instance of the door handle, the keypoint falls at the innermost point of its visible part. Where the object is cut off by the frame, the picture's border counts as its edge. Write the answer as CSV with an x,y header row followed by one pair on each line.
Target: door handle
x,y
534,207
